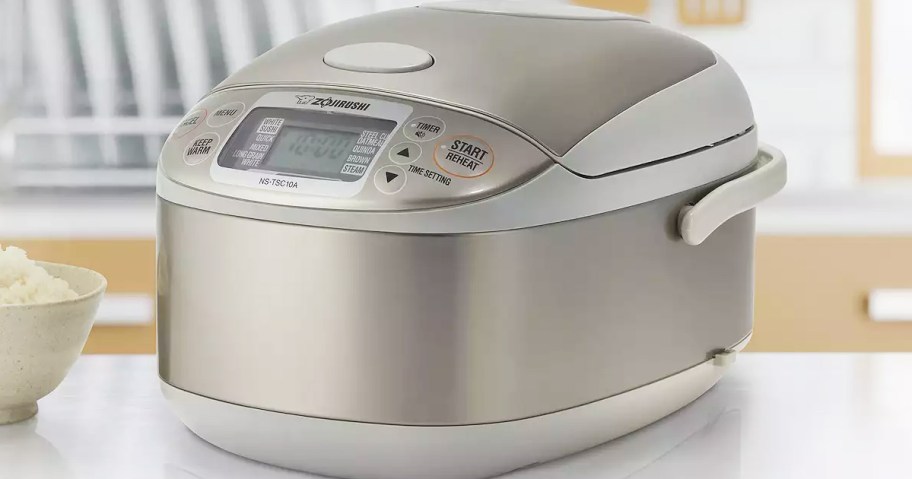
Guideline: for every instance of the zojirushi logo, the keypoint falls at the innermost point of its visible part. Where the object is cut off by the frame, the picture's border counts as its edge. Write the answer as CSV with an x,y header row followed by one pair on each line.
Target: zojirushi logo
x,y
332,102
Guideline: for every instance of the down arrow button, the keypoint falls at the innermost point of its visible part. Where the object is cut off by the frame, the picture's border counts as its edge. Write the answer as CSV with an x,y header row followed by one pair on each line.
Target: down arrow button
x,y
390,179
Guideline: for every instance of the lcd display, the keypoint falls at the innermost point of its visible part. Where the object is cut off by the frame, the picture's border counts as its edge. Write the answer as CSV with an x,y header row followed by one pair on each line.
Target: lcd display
x,y
311,151
310,144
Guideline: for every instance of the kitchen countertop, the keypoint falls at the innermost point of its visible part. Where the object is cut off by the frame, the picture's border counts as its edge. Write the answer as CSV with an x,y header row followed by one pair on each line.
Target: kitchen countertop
x,y
775,415
114,215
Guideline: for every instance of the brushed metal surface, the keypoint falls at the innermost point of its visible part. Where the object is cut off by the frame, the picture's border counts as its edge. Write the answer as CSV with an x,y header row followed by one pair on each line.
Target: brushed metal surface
x,y
555,79
444,329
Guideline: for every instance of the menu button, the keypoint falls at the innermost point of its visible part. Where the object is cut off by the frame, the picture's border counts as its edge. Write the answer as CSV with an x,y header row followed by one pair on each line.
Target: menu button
x,y
226,114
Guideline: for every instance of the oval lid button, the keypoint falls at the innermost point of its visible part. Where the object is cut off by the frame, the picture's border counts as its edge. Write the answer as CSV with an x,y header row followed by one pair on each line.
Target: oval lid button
x,y
379,57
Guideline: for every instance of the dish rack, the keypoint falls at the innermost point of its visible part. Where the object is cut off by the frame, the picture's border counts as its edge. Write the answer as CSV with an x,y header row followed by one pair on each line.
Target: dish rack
x,y
90,89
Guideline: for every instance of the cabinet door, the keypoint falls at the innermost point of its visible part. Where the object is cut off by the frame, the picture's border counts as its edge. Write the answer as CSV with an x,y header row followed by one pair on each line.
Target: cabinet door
x,y
711,12
812,293
884,76
635,7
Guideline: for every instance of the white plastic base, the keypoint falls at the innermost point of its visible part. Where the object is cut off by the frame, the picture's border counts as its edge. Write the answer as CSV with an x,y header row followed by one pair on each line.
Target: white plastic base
x,y
378,451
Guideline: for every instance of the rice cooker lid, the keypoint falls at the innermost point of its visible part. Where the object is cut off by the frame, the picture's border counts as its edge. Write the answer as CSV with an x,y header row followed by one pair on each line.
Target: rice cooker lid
x,y
556,73
529,9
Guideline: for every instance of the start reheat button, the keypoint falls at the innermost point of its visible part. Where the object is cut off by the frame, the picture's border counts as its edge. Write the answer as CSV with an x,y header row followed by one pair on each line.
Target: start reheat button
x,y
464,156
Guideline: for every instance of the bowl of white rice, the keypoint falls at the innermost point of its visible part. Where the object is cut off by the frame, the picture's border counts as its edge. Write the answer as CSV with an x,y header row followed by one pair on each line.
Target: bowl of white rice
x,y
46,313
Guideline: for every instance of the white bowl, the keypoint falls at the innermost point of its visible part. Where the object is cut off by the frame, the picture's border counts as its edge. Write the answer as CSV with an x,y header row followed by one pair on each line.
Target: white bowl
x,y
40,342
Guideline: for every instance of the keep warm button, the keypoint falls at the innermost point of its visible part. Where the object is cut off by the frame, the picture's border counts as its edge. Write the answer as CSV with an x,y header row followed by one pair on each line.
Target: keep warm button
x,y
464,156
201,148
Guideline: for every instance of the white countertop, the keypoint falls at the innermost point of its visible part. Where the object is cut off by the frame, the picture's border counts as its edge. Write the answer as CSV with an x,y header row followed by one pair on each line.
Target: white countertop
x,y
85,216
775,415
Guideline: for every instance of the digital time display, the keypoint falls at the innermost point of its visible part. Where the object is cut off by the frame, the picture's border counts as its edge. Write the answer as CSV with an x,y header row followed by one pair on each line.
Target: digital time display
x,y
311,151
306,144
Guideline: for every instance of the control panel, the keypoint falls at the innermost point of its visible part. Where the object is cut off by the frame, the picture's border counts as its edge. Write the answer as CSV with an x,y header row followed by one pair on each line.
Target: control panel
x,y
344,150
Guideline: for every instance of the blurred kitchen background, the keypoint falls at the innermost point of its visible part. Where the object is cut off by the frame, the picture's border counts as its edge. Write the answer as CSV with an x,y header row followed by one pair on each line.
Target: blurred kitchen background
x,y
89,89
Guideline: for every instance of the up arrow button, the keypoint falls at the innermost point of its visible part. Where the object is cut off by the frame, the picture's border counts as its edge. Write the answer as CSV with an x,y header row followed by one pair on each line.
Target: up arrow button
x,y
404,153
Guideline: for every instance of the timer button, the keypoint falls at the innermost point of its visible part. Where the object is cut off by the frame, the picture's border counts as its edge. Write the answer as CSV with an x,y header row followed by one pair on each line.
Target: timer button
x,y
424,128
390,179
378,57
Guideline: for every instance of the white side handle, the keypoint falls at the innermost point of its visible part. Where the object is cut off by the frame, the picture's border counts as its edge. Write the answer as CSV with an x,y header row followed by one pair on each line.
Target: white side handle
x,y
765,179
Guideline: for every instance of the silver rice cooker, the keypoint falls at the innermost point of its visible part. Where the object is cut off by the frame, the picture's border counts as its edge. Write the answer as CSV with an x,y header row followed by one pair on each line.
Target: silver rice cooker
x,y
455,240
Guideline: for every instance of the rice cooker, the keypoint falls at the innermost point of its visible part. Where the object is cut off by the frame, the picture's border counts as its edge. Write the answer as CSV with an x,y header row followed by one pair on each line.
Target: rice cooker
x,y
455,240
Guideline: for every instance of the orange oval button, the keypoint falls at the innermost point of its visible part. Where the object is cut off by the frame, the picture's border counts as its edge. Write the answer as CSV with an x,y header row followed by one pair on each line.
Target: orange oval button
x,y
464,156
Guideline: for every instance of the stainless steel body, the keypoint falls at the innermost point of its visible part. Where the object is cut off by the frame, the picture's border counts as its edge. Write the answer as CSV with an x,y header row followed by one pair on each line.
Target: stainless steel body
x,y
444,329
458,239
